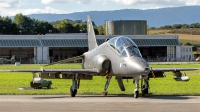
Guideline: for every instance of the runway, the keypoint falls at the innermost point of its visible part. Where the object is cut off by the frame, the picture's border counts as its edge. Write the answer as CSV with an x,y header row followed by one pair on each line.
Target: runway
x,y
98,103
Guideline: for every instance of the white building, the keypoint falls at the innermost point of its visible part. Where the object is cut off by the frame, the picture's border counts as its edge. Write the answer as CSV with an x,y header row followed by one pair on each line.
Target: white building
x,y
186,53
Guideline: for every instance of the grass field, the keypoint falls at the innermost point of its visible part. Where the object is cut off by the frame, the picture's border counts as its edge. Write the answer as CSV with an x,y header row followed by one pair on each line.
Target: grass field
x,y
11,81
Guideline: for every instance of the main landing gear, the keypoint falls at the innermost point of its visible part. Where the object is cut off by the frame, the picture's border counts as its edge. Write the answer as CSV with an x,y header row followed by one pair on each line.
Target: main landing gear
x,y
75,85
105,93
144,87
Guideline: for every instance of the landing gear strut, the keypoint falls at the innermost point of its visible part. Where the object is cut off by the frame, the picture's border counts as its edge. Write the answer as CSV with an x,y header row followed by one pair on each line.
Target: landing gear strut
x,y
104,93
136,91
145,87
75,85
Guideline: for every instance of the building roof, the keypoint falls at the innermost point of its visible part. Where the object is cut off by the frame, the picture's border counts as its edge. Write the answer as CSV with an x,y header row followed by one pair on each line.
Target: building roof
x,y
81,41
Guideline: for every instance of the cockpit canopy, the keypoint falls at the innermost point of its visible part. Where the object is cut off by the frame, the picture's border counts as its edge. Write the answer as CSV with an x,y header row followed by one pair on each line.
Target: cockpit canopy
x,y
125,46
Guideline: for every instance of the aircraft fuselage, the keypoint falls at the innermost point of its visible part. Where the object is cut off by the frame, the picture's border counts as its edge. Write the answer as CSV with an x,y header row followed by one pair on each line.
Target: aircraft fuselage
x,y
105,57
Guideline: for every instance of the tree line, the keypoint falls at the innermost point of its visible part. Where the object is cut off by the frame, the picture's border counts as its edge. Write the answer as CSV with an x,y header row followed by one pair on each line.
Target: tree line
x,y
178,26
24,25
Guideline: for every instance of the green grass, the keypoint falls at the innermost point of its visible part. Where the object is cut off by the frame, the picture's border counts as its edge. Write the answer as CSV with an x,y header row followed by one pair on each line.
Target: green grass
x,y
11,81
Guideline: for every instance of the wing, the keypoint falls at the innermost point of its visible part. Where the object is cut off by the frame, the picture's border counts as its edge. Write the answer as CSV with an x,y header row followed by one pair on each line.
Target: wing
x,y
83,71
172,69
178,75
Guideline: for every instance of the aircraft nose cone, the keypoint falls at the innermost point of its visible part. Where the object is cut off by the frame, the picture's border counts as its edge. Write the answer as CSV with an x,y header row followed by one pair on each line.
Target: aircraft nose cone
x,y
143,66
147,70
137,66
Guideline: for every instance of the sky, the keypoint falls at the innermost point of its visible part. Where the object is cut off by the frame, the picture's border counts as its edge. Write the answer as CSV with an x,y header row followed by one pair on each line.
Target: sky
x,y
26,7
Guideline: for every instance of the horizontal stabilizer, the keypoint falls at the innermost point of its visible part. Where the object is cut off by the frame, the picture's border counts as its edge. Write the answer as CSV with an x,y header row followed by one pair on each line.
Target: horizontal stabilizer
x,y
67,60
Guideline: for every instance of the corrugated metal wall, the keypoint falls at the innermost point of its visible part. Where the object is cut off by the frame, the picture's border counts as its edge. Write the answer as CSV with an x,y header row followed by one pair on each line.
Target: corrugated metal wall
x,y
128,27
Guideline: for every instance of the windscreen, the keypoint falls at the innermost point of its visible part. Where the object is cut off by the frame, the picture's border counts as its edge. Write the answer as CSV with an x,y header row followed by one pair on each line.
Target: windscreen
x,y
125,46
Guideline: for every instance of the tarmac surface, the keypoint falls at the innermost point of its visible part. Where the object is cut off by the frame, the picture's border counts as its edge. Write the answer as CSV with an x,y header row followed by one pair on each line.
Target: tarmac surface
x,y
98,103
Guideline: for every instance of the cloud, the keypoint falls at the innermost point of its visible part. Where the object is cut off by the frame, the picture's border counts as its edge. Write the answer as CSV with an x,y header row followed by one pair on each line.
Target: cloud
x,y
162,3
11,3
9,12
69,1
158,2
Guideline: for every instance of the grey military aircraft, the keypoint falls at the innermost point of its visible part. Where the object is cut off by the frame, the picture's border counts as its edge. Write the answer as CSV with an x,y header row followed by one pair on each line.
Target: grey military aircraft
x,y
7,60
118,56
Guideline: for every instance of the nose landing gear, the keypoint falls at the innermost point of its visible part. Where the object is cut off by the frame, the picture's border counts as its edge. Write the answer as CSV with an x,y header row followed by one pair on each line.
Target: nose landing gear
x,y
144,88
136,91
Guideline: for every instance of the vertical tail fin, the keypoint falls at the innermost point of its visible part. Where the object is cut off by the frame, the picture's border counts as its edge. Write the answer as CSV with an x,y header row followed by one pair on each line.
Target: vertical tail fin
x,y
92,43
13,57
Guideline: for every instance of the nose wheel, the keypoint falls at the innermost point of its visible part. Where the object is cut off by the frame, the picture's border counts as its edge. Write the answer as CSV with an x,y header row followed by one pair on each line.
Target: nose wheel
x,y
145,87
136,94
145,91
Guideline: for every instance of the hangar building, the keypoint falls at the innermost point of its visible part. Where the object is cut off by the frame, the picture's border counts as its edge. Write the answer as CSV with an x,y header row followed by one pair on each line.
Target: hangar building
x,y
55,47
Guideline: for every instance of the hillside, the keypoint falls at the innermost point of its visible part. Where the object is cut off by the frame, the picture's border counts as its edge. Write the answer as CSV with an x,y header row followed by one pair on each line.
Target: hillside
x,y
154,17
183,38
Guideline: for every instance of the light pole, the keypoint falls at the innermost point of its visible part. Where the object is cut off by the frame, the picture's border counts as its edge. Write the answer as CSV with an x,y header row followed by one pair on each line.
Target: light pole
x,y
81,31
191,35
20,32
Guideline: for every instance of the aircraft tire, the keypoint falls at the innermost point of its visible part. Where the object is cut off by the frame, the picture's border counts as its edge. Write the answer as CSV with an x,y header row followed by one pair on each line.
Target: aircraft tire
x,y
145,92
73,93
105,93
136,94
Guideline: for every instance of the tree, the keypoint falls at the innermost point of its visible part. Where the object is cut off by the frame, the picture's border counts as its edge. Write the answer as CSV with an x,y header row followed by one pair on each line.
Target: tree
x,y
166,27
64,26
24,23
83,27
77,28
185,26
195,25
101,30
177,26
7,27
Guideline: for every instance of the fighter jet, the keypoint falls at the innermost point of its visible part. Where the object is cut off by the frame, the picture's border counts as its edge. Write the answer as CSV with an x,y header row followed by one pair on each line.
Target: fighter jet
x,y
7,60
117,57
